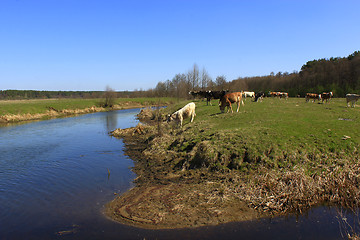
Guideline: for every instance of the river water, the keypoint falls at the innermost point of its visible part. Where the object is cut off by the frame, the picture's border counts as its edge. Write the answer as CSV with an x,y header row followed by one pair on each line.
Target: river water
x,y
55,181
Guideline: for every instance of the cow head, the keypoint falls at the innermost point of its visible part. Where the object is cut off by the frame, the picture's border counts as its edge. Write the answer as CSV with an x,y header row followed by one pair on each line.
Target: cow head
x,y
222,105
173,117
170,117
222,108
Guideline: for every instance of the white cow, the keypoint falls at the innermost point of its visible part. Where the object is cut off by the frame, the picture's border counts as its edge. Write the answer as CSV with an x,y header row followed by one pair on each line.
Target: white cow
x,y
187,111
352,98
249,94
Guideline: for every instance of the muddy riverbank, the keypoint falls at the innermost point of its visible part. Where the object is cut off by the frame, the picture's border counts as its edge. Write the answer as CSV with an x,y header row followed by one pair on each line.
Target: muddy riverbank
x,y
165,197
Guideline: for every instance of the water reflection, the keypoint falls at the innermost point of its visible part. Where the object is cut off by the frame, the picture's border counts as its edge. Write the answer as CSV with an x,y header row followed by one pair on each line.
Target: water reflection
x,y
55,173
111,121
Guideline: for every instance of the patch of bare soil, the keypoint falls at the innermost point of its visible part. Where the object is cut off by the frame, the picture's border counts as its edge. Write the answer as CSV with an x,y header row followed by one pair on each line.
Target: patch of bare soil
x,y
177,205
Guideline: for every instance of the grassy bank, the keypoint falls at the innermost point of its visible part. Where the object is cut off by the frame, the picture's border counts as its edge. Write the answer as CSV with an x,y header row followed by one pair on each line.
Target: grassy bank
x,y
269,131
273,157
22,110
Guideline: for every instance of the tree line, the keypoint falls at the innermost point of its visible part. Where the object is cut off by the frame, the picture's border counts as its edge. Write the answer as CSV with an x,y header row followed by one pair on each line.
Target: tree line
x,y
34,94
338,75
182,83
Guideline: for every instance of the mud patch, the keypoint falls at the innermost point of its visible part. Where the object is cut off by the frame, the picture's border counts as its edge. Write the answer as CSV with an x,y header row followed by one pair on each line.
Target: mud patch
x,y
178,206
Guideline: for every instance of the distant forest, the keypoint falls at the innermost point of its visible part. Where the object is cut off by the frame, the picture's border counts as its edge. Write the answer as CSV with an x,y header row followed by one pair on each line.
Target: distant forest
x,y
339,75
33,94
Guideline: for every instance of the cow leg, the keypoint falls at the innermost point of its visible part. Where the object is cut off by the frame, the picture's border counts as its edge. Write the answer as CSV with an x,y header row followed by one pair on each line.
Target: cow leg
x,y
230,107
192,116
181,120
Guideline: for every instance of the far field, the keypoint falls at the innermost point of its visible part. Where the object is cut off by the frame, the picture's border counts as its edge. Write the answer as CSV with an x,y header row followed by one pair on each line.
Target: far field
x,y
34,106
22,110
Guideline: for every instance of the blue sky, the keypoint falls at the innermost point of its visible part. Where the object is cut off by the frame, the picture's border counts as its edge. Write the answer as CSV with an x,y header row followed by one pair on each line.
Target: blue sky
x,y
134,44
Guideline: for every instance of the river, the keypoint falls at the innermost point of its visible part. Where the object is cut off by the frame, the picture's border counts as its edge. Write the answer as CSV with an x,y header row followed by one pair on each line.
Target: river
x,y
57,175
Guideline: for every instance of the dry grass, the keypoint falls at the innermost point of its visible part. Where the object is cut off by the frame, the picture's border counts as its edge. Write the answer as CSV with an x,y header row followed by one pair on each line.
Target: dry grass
x,y
295,191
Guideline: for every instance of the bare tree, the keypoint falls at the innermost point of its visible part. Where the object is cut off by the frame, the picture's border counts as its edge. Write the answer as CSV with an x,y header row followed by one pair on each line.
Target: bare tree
x,y
184,86
211,85
193,77
160,89
220,82
205,79
181,86
109,97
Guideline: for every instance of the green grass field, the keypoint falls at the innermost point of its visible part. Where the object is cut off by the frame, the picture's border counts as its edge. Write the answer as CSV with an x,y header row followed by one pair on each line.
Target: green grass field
x,y
275,132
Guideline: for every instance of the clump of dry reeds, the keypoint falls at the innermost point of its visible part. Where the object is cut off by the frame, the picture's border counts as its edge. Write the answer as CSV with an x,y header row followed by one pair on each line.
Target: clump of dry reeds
x,y
286,191
138,129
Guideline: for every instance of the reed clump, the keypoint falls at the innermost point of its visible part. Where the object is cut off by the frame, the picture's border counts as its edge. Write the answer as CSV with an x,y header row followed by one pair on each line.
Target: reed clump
x,y
280,192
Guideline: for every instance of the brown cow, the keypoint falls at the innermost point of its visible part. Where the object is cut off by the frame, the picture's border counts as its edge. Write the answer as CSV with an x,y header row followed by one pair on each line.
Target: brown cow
x,y
326,96
279,94
273,94
283,95
312,96
230,98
